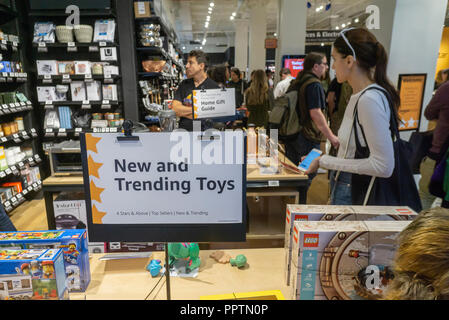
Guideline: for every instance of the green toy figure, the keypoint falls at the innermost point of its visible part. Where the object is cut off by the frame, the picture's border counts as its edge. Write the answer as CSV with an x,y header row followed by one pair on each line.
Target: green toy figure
x,y
187,251
239,261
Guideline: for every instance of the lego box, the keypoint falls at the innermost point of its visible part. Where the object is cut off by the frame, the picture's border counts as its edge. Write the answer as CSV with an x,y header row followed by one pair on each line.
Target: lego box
x,y
333,213
342,260
74,248
32,275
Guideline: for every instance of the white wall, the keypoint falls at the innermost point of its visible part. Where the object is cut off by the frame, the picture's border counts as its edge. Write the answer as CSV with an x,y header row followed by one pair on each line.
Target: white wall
x,y
415,42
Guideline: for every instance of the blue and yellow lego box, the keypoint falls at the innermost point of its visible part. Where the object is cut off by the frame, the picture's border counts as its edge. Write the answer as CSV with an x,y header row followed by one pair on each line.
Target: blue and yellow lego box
x,y
32,274
74,248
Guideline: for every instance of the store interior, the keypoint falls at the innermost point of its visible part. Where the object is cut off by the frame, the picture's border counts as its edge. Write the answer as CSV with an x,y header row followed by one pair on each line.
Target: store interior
x,y
60,84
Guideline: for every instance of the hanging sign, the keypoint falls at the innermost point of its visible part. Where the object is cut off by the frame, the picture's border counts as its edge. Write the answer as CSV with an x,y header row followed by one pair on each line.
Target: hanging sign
x,y
174,180
411,89
320,36
213,103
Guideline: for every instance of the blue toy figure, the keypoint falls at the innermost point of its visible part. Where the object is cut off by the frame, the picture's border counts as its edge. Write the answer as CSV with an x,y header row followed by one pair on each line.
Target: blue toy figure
x,y
154,267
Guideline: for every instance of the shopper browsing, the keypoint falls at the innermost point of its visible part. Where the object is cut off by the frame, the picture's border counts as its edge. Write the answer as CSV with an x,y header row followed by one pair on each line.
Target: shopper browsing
x,y
196,69
362,61
239,86
282,86
310,107
258,100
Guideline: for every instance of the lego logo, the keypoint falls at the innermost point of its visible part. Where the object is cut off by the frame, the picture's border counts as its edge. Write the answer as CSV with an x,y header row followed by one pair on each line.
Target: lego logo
x,y
311,240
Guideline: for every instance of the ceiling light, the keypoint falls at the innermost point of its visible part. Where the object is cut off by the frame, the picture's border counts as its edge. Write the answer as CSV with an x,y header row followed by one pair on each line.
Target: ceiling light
x,y
208,18
201,48
322,44
349,23
234,14
231,17
343,25
321,7
275,34
337,28
317,9
211,4
206,25
356,20
183,48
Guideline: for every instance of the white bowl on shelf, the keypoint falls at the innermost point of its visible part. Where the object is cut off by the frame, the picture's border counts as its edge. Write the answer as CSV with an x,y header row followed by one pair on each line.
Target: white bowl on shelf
x,y
64,34
83,33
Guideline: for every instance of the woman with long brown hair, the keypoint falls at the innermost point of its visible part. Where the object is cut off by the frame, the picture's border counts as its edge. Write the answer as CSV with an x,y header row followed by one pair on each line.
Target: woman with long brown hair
x,y
362,61
258,99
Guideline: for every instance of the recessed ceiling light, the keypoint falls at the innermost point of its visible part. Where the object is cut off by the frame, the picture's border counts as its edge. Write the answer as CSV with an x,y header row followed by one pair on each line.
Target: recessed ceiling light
x,y
356,20
201,48
211,4
343,25
322,44
337,28
234,14
349,23
317,9
275,34
183,48
231,17
208,18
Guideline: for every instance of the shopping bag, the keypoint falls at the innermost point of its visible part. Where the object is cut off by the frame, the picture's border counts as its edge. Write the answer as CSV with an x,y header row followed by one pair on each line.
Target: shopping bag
x,y
400,188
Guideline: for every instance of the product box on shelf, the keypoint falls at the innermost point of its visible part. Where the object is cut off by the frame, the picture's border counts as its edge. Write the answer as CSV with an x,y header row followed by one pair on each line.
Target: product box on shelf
x,y
343,260
74,248
35,274
334,213
142,9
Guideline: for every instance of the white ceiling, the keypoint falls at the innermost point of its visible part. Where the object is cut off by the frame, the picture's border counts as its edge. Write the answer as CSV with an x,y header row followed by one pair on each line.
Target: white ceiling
x,y
190,17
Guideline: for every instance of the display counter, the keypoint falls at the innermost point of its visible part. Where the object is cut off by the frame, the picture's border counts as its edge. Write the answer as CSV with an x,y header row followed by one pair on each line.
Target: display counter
x,y
128,279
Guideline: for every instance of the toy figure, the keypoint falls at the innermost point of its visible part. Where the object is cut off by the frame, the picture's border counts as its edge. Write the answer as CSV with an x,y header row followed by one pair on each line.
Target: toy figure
x,y
239,261
154,267
45,293
24,269
36,272
220,256
71,255
48,270
188,251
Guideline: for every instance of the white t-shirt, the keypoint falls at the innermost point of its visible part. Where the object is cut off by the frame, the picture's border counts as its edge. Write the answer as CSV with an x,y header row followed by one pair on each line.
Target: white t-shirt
x,y
282,86
374,117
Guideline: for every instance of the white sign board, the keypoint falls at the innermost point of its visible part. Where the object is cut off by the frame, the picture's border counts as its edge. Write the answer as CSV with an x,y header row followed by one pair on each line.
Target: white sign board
x,y
213,103
165,178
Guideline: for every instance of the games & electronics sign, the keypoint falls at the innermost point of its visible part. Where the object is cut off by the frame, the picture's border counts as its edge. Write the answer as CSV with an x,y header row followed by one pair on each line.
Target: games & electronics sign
x,y
320,36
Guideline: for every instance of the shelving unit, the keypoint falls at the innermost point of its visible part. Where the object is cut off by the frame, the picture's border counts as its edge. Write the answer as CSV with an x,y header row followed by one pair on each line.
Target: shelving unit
x,y
14,50
157,87
74,51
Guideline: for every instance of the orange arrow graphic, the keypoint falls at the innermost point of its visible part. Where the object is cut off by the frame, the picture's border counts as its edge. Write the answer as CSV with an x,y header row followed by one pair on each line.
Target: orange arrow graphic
x,y
95,192
91,142
94,167
97,216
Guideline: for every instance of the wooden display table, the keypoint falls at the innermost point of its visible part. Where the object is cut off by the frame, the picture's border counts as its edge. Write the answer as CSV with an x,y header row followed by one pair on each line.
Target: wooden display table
x,y
128,279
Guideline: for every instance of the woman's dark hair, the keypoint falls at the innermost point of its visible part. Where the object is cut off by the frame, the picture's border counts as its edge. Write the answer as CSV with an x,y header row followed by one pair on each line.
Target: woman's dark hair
x,y
370,55
236,71
219,74
310,60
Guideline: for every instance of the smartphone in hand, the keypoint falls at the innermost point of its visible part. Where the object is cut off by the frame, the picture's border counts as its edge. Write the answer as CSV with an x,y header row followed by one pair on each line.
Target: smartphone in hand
x,y
304,165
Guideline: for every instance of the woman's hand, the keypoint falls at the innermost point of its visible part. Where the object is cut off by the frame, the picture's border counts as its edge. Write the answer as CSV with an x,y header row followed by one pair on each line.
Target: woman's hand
x,y
314,166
